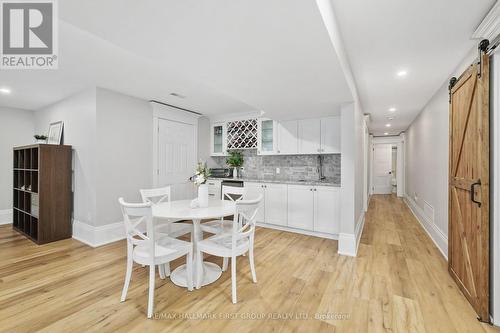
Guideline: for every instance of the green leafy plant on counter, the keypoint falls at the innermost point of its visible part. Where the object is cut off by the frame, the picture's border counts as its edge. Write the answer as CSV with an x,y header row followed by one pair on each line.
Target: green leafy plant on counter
x,y
235,159
40,137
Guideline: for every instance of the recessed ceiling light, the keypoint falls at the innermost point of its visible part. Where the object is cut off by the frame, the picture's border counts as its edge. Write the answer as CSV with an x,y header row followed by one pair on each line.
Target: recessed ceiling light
x,y
392,109
5,91
401,73
177,95
386,133
390,118
387,125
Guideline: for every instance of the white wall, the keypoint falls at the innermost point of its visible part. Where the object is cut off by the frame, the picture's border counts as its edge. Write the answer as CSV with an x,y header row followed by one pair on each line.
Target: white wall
x,y
352,178
78,112
427,162
17,128
204,142
124,152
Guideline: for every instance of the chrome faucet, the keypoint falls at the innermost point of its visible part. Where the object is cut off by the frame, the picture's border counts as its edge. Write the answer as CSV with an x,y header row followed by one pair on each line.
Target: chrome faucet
x,y
320,167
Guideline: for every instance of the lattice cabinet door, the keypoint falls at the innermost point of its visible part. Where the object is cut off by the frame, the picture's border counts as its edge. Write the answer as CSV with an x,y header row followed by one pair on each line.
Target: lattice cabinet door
x,y
242,134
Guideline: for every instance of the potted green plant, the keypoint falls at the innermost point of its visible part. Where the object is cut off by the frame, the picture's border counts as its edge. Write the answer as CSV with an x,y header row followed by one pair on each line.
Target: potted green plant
x,y
235,160
40,138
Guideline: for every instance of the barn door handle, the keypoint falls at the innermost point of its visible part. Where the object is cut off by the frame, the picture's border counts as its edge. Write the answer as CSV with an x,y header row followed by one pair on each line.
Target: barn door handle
x,y
472,196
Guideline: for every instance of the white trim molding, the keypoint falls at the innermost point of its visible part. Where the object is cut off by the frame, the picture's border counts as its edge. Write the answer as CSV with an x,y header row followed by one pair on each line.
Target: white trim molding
x,y
98,236
436,235
5,216
299,231
349,243
490,26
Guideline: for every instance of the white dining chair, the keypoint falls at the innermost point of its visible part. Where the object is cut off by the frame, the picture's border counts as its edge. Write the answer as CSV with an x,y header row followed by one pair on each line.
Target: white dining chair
x,y
235,243
145,249
224,225
221,225
173,228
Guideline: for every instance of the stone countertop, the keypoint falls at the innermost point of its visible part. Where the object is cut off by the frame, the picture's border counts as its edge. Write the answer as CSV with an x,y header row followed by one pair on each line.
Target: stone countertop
x,y
326,182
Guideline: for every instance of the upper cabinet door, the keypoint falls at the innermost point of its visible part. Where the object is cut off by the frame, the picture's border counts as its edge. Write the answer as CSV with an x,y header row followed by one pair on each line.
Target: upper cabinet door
x,y
330,135
218,139
287,137
267,137
309,136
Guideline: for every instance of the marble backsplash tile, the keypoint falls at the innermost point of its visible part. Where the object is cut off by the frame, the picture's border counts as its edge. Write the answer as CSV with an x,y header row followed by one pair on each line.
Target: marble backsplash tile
x,y
292,167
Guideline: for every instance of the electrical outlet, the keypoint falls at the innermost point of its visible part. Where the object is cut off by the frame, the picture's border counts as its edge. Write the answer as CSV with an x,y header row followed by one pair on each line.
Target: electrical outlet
x,y
277,170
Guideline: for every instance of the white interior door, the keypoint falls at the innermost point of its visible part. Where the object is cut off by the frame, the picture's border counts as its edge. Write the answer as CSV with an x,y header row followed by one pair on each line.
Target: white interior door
x,y
382,168
176,157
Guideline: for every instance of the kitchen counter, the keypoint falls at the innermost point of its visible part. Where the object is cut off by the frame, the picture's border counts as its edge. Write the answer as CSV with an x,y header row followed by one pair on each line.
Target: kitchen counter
x,y
326,182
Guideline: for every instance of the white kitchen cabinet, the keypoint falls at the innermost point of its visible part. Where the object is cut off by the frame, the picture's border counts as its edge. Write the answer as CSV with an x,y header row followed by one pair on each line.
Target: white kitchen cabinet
x,y
218,139
330,135
327,209
267,137
287,137
309,135
253,191
314,208
274,201
214,189
300,207
276,204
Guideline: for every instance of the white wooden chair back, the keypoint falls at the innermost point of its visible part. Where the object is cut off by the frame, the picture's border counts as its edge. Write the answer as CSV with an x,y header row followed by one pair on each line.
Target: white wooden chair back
x,y
233,193
135,215
245,220
156,195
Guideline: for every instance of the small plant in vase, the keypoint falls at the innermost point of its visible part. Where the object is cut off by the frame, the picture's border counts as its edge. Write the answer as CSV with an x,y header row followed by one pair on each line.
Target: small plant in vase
x,y
40,138
235,160
199,179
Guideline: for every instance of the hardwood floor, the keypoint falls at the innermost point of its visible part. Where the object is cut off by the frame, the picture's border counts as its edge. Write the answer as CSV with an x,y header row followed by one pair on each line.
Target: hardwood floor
x,y
398,283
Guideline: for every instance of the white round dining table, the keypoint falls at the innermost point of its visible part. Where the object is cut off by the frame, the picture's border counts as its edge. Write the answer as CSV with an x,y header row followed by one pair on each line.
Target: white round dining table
x,y
181,210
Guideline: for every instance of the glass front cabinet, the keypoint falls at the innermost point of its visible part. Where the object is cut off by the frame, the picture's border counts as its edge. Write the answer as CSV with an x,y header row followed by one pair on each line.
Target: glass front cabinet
x,y
218,139
267,137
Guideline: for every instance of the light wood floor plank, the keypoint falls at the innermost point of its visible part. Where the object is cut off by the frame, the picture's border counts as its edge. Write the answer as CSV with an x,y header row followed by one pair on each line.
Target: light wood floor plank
x,y
398,283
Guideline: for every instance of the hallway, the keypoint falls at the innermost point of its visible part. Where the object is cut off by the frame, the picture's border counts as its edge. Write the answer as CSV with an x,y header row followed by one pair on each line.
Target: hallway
x,y
405,277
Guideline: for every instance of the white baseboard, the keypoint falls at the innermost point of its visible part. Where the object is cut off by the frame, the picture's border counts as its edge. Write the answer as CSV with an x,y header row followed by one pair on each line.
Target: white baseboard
x,y
437,236
298,231
98,236
5,216
349,243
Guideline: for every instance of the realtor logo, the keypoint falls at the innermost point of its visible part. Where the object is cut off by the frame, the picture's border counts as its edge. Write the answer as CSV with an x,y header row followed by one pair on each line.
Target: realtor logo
x,y
29,34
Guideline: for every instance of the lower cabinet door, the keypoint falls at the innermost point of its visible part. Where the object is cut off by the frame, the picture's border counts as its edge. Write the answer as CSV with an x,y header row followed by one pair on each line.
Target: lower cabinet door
x,y
326,209
276,204
300,207
253,191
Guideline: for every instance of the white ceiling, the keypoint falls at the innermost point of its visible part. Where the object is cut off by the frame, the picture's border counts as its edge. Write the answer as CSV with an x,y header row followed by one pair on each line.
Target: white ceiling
x,y
428,38
225,56
270,55
86,60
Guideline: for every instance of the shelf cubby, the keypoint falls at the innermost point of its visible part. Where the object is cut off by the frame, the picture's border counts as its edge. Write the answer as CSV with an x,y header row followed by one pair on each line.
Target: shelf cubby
x,y
42,195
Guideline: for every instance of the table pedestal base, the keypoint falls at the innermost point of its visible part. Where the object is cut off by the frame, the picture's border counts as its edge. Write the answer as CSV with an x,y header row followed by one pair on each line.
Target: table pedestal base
x,y
211,272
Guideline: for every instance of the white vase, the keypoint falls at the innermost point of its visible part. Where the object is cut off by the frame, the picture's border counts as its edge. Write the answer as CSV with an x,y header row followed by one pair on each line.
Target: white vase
x,y
235,172
203,195
41,141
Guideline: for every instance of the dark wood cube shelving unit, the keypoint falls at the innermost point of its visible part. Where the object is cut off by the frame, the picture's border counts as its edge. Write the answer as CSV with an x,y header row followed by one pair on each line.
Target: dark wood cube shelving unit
x,y
42,195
